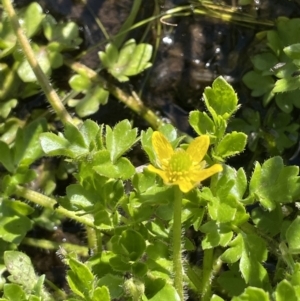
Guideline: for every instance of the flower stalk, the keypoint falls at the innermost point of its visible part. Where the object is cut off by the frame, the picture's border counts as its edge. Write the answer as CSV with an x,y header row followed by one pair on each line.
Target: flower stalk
x,y
177,258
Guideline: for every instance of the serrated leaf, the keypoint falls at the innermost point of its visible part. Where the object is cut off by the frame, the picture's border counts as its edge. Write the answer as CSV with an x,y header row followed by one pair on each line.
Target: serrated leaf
x,y
232,144
120,139
201,123
101,294
132,59
220,99
216,235
273,183
268,221
91,102
258,83
234,252
110,57
254,252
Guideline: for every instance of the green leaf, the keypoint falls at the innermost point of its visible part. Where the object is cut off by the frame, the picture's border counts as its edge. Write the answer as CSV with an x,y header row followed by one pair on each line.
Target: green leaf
x,y
82,271
232,282
254,252
80,82
25,71
258,83
32,18
132,59
7,106
54,145
264,62
287,84
232,144
27,147
75,143
293,236
293,51
201,123
216,235
268,221
285,101
113,283
13,292
62,36
79,197
20,268
273,183
167,292
14,225
6,157
120,139
216,298
110,57
134,243
220,99
284,289
101,294
122,168
80,278
235,250
90,103
252,294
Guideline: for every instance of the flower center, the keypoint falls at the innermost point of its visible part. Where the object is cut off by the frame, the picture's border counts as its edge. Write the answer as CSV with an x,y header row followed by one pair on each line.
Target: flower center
x,y
179,166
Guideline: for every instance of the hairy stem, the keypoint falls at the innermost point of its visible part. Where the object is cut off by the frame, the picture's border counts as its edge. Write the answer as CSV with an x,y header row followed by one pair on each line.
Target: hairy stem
x,y
52,245
207,274
52,204
177,259
50,93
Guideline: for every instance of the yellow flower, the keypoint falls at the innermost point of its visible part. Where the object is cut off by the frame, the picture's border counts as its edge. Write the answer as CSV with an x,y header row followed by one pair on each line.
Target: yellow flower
x,y
184,168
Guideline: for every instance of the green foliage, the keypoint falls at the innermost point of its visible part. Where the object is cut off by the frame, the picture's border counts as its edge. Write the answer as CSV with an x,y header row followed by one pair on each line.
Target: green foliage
x,y
246,224
130,60
275,69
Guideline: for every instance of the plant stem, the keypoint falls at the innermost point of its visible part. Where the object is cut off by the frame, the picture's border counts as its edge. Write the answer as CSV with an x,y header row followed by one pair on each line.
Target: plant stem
x,y
207,274
131,101
50,93
50,203
177,259
52,245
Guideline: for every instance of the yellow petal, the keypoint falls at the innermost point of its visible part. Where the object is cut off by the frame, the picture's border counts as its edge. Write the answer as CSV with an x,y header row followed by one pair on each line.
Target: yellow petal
x,y
199,176
185,185
160,172
162,147
198,148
